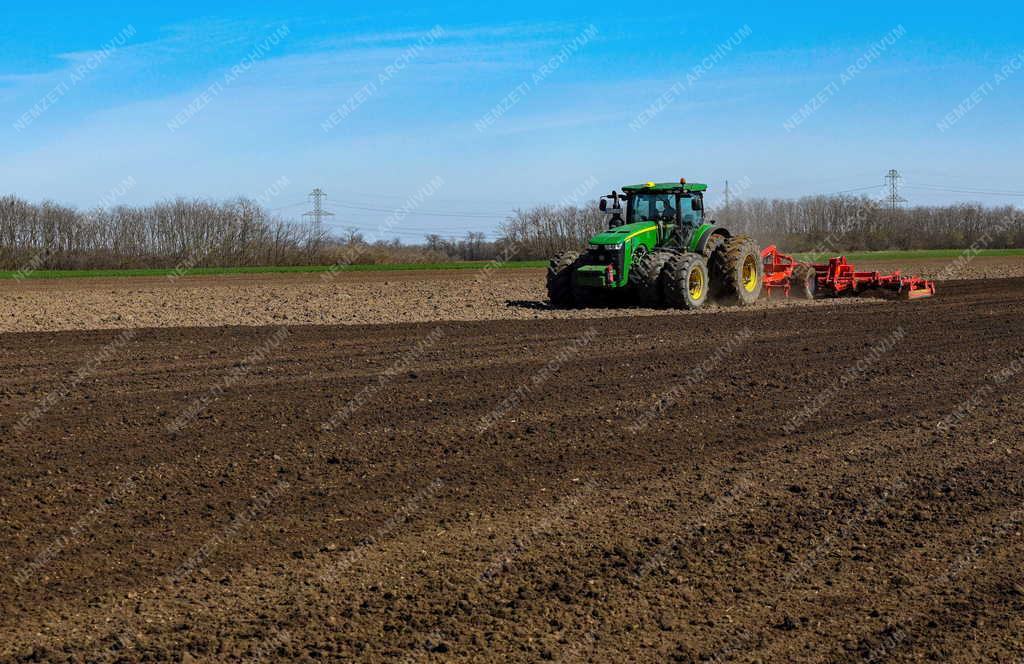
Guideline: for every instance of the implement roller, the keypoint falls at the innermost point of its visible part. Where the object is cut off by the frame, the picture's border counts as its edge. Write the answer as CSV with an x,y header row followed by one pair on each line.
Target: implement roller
x,y
784,275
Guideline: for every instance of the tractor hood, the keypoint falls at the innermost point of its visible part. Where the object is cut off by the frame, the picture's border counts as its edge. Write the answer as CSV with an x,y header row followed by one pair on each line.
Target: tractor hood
x,y
622,233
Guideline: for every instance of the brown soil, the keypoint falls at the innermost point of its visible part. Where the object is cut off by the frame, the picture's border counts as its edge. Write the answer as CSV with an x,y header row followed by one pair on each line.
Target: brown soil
x,y
351,298
493,495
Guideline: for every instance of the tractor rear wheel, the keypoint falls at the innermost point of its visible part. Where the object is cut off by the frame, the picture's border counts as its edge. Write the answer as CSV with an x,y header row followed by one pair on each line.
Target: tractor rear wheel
x,y
560,271
686,281
645,277
715,245
740,269
804,282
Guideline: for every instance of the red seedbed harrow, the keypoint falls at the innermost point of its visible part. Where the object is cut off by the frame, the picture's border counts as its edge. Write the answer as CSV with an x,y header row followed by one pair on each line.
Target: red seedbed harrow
x,y
784,275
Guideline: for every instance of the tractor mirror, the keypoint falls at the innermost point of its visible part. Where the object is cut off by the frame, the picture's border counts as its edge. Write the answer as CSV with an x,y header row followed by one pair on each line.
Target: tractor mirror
x,y
603,205
698,204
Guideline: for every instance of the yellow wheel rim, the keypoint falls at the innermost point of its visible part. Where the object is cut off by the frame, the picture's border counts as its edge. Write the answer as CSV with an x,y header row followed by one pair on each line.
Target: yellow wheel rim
x,y
750,274
696,283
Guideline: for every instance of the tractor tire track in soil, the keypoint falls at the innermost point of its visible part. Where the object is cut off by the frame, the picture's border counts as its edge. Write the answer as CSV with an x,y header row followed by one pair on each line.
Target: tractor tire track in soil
x,y
406,531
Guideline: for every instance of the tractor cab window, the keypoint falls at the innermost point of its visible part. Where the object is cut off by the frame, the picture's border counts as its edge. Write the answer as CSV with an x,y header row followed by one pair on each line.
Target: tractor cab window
x,y
653,207
690,211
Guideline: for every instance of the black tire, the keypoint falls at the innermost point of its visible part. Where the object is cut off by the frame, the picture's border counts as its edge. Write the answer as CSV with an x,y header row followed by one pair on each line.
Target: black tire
x,y
715,246
584,297
804,282
740,269
686,281
645,278
560,271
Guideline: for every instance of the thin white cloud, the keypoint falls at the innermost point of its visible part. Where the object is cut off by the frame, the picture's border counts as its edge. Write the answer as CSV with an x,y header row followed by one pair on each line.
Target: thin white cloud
x,y
194,38
517,30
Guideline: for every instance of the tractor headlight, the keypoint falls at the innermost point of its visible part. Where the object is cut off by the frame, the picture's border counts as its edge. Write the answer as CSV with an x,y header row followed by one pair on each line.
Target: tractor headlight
x,y
616,247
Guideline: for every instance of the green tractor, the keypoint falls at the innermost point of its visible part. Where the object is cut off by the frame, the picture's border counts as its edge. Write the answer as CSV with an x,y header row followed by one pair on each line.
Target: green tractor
x,y
659,250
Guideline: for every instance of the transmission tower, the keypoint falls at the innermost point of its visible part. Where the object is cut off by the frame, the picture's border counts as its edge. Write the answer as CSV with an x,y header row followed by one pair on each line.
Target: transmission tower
x,y
318,213
727,194
893,178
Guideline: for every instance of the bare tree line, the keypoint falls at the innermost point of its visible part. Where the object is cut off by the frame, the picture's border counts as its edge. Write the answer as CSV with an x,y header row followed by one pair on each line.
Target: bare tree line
x,y
200,233
844,223
194,232
543,231
181,234
825,224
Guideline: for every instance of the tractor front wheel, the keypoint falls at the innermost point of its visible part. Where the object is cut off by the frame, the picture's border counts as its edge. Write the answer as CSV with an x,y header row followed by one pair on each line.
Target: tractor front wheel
x,y
686,281
560,271
740,269
645,277
584,297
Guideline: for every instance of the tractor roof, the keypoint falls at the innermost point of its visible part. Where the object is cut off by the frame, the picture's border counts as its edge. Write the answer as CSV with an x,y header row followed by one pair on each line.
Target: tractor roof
x,y
666,187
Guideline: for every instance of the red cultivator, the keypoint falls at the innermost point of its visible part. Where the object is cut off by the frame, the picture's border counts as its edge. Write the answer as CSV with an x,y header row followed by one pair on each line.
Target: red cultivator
x,y
784,275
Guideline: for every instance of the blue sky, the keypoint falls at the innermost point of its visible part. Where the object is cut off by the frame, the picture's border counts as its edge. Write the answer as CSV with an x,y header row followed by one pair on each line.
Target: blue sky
x,y
653,91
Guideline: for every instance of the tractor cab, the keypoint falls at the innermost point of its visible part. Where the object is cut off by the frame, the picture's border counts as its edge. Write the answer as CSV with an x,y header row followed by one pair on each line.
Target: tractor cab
x,y
676,208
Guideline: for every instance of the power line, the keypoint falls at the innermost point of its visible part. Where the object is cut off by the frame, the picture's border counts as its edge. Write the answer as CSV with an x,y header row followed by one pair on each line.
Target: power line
x,y
285,207
850,191
929,187
398,197
405,230
402,229
426,213
417,233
